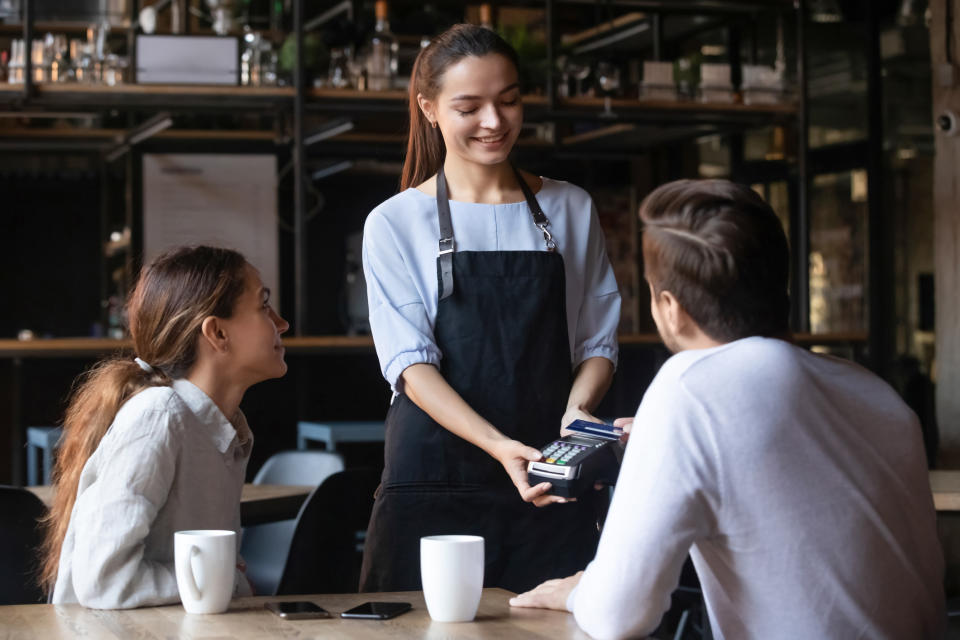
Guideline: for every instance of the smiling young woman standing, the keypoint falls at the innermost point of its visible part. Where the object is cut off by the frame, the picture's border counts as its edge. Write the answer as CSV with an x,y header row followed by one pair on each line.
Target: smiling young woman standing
x,y
494,311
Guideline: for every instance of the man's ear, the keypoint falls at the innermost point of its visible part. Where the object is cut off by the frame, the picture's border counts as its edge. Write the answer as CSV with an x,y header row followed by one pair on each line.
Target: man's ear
x,y
213,331
427,107
673,313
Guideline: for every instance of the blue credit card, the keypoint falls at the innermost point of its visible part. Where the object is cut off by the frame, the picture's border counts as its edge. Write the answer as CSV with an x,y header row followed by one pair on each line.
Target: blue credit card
x,y
596,429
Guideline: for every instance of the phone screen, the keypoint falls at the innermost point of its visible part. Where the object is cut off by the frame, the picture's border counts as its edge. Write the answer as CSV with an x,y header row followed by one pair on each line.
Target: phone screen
x,y
377,610
299,609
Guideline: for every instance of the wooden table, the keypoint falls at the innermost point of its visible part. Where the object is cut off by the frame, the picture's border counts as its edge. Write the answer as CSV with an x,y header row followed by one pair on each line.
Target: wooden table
x,y
247,618
260,503
945,486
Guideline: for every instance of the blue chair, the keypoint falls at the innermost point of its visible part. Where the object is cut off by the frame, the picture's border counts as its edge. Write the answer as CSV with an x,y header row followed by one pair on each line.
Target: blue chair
x,y
20,537
264,546
330,433
43,440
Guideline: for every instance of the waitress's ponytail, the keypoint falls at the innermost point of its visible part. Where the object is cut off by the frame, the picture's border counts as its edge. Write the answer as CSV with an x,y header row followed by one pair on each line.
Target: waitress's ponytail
x,y
425,146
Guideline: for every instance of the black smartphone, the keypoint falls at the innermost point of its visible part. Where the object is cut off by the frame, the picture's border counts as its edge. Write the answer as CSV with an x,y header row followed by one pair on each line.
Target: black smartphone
x,y
377,610
299,610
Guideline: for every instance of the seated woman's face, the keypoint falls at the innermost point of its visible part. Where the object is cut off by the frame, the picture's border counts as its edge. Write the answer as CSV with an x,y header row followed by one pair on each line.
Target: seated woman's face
x,y
478,108
254,332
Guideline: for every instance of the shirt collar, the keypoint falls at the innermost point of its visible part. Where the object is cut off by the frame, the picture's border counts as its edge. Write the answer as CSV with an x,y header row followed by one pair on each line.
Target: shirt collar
x,y
222,431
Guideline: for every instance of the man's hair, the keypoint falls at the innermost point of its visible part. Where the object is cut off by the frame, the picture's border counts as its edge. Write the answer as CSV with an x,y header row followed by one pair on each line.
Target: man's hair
x,y
721,251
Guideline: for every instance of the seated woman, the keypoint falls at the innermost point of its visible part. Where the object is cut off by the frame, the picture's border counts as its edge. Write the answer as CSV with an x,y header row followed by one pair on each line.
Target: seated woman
x,y
157,443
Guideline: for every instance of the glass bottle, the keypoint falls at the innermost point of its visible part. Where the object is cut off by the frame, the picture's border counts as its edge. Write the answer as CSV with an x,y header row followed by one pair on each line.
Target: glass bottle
x,y
381,52
486,16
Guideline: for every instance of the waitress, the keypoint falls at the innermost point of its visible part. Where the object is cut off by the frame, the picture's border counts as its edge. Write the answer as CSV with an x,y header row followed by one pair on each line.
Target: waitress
x,y
494,312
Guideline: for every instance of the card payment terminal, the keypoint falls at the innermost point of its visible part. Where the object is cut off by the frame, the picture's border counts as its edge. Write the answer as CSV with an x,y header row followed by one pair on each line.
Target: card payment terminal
x,y
576,462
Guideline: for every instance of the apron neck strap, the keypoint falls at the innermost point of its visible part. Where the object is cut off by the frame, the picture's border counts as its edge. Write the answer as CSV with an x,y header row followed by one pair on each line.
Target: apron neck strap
x,y
446,223
447,242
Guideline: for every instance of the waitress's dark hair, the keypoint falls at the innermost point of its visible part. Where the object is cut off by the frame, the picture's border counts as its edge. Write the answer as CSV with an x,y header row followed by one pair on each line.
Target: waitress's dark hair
x,y
425,148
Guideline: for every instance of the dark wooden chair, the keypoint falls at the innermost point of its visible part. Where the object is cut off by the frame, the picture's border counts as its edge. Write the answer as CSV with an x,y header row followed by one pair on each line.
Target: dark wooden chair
x,y
327,546
20,538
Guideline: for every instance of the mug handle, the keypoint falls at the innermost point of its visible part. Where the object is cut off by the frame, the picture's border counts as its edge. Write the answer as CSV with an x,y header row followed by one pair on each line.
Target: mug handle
x,y
187,571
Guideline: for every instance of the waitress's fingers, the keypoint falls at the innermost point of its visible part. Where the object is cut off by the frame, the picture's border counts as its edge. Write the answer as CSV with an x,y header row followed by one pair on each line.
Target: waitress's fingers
x,y
624,423
529,494
543,501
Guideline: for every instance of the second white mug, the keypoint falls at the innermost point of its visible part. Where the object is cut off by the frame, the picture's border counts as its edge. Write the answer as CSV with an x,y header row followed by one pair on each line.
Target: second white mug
x,y
451,570
206,564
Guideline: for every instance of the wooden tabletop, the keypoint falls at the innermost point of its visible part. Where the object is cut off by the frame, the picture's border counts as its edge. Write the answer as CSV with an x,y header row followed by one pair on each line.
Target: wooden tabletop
x,y
945,485
260,503
247,618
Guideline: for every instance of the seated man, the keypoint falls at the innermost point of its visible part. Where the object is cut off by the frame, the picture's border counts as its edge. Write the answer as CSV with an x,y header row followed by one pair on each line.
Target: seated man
x,y
797,482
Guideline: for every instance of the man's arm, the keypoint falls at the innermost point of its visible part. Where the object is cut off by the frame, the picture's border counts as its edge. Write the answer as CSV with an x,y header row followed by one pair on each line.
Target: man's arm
x,y
664,501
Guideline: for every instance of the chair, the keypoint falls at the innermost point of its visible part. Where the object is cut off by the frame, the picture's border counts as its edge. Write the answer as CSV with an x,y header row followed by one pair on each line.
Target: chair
x,y
327,546
19,540
264,546
44,440
330,433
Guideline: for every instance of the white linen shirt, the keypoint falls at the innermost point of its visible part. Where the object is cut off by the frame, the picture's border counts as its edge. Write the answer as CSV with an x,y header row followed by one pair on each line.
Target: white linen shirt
x,y
400,246
170,461
798,483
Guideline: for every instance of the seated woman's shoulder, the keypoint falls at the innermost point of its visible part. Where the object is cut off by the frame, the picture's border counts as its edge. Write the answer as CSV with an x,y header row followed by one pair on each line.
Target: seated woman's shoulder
x,y
153,410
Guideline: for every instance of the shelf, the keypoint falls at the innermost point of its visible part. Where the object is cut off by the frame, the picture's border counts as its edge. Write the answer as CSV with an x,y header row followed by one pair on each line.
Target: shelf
x,y
187,97
93,347
169,97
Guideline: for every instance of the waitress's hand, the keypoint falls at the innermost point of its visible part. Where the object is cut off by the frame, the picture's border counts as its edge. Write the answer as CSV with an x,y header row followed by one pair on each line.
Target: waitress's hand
x,y
514,456
575,413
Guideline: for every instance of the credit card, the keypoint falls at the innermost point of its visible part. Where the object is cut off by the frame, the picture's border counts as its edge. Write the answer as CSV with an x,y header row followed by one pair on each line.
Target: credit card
x,y
596,429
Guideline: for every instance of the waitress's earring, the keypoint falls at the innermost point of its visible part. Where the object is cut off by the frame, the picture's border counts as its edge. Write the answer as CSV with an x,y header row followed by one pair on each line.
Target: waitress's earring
x,y
434,124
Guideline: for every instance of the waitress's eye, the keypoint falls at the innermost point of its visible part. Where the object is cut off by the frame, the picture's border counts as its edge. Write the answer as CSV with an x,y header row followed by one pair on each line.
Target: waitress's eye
x,y
464,113
511,102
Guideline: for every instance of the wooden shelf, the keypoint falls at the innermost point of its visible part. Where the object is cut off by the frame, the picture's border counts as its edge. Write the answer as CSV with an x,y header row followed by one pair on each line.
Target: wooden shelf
x,y
237,98
87,347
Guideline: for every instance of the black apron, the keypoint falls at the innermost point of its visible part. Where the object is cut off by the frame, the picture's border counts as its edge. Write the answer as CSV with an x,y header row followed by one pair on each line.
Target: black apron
x,y
502,329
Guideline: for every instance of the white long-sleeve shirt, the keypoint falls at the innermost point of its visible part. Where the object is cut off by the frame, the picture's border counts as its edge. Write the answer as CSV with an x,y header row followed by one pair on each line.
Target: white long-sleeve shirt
x,y
170,461
798,484
400,244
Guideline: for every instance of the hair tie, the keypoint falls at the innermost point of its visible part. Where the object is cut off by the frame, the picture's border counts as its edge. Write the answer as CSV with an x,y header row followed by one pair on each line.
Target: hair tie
x,y
143,365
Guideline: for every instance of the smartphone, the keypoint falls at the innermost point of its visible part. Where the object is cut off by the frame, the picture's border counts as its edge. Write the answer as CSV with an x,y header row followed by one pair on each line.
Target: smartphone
x,y
596,429
377,610
299,610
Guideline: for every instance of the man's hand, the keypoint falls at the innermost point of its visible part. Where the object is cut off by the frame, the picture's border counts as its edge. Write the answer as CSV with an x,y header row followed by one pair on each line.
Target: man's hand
x,y
552,594
514,456
626,424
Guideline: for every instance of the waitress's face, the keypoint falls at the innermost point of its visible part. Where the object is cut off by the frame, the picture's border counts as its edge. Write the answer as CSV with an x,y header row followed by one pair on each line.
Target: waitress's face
x,y
478,108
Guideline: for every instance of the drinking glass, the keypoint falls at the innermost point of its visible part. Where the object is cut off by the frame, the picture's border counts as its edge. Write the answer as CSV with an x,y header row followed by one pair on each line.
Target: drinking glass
x,y
608,78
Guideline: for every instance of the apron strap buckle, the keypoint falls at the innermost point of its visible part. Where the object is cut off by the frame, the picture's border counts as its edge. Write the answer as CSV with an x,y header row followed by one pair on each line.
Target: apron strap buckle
x,y
547,236
447,245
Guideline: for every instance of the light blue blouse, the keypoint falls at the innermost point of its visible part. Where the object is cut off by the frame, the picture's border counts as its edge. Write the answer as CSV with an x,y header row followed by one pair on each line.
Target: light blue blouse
x,y
400,240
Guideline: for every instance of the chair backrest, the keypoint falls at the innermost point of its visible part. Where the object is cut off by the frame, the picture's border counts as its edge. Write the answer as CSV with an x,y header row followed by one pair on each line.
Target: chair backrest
x,y
299,467
20,538
326,550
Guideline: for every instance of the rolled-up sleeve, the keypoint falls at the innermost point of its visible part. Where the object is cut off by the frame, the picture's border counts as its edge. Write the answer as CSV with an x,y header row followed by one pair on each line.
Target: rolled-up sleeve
x,y
402,330
113,517
599,316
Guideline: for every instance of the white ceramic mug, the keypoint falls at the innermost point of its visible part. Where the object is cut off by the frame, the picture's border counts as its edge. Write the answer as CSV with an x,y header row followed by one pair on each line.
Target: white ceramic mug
x,y
451,569
206,565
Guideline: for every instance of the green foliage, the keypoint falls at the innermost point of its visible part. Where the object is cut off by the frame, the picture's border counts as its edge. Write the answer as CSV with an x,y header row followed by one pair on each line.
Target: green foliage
x,y
315,54
532,51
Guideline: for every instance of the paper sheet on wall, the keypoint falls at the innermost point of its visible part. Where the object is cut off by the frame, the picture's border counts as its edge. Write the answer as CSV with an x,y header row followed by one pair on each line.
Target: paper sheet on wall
x,y
227,200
